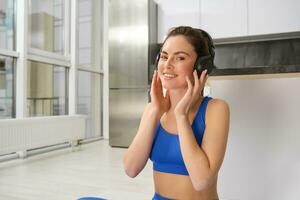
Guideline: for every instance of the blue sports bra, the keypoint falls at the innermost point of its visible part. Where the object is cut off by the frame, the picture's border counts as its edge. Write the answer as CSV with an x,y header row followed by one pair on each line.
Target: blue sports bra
x,y
166,153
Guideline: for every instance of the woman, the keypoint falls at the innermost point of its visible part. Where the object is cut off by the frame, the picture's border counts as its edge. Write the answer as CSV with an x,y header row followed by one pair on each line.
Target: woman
x,y
183,133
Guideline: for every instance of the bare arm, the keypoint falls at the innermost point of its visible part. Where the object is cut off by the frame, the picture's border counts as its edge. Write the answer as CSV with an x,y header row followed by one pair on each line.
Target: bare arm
x,y
203,163
138,152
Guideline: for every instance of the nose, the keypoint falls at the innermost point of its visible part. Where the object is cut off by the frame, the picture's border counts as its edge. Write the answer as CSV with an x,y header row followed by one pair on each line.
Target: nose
x,y
169,63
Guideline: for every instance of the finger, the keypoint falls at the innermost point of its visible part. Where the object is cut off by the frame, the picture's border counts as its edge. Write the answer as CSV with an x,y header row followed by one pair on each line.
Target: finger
x,y
158,86
202,77
188,95
155,88
167,93
158,81
167,96
206,77
196,85
195,74
190,85
153,79
157,75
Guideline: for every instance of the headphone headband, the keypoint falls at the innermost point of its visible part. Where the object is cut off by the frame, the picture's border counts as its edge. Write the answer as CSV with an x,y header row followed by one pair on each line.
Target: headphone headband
x,y
211,46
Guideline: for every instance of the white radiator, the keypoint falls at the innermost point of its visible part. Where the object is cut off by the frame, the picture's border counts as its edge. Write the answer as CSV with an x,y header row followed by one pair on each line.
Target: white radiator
x,y
28,133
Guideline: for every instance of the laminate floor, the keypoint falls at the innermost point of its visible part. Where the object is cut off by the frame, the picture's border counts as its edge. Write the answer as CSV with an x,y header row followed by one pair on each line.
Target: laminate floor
x,y
93,169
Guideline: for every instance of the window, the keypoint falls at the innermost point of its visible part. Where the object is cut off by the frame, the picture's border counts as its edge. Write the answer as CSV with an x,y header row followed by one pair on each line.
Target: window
x,y
90,74
7,82
7,24
48,65
47,89
90,101
46,25
43,55
90,34
7,62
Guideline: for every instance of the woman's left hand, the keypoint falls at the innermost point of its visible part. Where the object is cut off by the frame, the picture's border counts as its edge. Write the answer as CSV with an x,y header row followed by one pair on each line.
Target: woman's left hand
x,y
192,94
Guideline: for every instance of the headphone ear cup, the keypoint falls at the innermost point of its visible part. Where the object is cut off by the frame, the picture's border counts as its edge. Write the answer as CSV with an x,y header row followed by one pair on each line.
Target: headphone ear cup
x,y
198,67
198,64
211,49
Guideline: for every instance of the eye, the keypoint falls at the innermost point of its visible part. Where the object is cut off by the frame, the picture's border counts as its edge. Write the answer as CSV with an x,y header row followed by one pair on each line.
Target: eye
x,y
163,57
179,58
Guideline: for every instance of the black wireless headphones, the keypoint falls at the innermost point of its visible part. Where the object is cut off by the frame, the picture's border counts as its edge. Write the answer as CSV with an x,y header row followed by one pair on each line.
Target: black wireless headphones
x,y
202,62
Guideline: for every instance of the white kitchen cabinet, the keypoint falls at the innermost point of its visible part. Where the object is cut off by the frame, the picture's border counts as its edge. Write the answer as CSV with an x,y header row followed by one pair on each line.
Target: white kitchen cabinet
x,y
224,19
230,18
175,13
273,16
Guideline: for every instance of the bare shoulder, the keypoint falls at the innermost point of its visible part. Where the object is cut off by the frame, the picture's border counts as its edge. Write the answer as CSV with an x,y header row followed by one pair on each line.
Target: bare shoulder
x,y
218,104
217,108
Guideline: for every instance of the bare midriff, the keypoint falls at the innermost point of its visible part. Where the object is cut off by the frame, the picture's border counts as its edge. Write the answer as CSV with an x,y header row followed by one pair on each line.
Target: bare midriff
x,y
180,187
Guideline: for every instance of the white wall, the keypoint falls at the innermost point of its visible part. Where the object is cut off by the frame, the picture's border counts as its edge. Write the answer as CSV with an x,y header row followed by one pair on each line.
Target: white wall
x,y
262,160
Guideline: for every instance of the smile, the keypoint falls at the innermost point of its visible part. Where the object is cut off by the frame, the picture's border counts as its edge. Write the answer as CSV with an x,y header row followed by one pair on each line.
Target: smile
x,y
169,76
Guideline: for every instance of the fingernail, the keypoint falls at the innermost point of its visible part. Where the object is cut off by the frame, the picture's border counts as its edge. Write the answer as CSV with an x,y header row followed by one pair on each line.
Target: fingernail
x,y
205,71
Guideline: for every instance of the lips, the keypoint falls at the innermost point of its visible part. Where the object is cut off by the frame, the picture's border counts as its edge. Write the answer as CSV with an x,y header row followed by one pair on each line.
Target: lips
x,y
169,76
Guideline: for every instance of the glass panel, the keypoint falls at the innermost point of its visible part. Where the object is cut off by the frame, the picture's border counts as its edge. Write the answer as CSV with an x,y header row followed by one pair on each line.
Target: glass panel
x,y
90,33
90,101
7,85
7,24
47,89
46,25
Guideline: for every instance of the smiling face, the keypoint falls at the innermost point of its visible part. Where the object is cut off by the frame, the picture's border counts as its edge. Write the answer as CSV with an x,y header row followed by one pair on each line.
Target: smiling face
x,y
176,61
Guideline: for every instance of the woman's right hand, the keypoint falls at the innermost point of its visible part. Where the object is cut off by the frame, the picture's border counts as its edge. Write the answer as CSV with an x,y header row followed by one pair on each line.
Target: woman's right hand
x,y
160,103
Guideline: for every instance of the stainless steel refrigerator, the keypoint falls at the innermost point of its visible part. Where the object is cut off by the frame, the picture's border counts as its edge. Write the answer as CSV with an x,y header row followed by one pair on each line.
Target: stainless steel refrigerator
x,y
132,51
